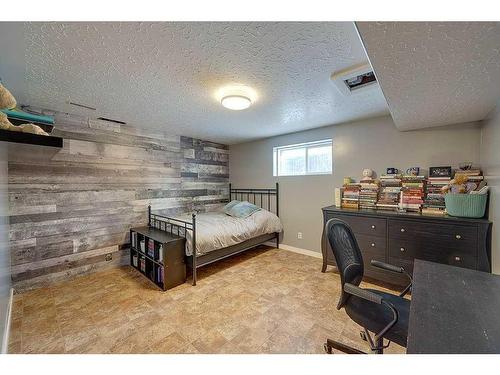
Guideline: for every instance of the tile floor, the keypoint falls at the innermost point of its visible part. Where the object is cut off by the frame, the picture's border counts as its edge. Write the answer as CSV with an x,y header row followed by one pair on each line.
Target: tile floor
x,y
263,301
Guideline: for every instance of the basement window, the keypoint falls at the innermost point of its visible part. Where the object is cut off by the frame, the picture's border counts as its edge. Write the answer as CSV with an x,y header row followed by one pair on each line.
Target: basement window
x,y
311,158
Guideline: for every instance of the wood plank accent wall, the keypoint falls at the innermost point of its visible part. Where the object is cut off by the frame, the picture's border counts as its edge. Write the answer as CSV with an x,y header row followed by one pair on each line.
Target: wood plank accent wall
x,y
71,207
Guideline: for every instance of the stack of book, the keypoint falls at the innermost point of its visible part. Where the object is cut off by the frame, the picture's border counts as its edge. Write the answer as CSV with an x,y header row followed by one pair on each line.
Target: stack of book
x,y
434,198
368,194
350,198
412,193
390,189
151,248
473,175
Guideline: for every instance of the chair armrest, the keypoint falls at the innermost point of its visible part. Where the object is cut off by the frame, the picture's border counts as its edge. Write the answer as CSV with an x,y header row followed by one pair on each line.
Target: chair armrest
x,y
362,293
375,298
387,266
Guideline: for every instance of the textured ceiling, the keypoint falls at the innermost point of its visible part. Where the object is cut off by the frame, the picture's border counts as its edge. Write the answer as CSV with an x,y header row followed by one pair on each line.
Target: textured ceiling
x,y
435,73
166,75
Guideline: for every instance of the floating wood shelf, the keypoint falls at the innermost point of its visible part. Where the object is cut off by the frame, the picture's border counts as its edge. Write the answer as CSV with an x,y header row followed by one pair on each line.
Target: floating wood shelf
x,y
32,139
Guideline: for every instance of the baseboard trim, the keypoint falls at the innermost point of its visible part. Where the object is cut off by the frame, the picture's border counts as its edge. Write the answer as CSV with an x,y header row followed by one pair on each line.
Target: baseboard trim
x,y
6,333
298,250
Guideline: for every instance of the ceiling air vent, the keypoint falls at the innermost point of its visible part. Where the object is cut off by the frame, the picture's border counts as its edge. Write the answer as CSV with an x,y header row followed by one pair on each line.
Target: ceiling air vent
x,y
354,79
361,80
111,120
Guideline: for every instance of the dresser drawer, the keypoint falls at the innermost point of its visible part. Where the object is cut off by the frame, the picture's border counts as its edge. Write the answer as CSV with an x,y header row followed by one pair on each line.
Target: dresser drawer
x,y
410,250
371,244
372,248
362,224
457,236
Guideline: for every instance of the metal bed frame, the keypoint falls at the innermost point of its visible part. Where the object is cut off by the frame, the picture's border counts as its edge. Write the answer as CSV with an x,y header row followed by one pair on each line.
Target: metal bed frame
x,y
260,197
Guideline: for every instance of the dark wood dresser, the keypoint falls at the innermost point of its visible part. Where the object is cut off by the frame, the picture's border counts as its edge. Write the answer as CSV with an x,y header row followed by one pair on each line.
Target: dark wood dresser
x,y
399,238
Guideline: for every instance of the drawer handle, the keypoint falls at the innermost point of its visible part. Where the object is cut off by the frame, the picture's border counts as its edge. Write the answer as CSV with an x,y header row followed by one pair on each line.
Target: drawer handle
x,y
373,226
457,236
458,259
402,249
403,230
373,244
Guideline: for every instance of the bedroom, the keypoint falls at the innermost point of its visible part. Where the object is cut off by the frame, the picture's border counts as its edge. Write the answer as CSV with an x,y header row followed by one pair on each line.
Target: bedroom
x,y
182,183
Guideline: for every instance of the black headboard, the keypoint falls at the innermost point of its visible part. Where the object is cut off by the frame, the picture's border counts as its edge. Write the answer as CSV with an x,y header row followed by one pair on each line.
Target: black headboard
x,y
267,199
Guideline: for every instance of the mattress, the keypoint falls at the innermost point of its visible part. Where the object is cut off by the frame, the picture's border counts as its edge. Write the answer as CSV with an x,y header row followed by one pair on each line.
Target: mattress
x,y
216,230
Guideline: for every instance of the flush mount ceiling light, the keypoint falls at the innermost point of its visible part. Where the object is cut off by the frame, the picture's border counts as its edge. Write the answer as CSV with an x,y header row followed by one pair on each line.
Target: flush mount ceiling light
x,y
236,97
236,102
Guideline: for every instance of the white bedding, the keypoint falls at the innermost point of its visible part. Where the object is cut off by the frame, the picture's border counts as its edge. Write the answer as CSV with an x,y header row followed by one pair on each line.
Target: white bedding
x,y
215,230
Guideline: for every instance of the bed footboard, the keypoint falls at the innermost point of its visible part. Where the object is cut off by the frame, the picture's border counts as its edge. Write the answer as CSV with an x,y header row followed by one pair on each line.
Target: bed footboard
x,y
178,227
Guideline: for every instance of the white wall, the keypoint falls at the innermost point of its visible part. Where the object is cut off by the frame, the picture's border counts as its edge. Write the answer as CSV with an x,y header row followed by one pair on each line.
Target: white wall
x,y
4,248
373,143
490,161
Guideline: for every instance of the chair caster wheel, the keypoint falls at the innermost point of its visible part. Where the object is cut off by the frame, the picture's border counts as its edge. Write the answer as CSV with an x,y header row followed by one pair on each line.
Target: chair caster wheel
x,y
363,336
327,348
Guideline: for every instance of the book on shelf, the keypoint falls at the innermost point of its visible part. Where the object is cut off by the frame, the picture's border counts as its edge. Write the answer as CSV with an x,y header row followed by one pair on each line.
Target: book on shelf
x,y
160,275
135,260
142,246
133,240
160,253
142,264
433,211
387,206
338,196
468,172
151,248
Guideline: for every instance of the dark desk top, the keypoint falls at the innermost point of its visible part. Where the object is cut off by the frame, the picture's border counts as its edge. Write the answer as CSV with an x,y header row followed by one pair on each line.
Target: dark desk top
x,y
403,215
453,310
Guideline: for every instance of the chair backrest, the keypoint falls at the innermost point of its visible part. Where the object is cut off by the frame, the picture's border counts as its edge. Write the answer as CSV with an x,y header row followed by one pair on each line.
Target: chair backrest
x,y
347,255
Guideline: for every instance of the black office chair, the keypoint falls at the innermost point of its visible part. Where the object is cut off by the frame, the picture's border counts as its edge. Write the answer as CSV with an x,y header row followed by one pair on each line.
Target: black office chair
x,y
384,314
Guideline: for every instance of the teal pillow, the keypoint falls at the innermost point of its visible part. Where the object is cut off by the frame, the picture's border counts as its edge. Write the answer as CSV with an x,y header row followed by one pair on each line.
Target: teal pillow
x,y
230,205
243,210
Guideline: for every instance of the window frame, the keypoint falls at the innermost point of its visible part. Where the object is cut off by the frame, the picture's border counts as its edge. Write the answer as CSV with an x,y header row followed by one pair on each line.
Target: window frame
x,y
307,146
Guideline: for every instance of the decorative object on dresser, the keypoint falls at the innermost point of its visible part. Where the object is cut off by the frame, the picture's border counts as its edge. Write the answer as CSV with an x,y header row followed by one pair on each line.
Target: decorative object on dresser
x,y
413,171
399,238
367,175
266,199
158,255
467,194
392,170
440,172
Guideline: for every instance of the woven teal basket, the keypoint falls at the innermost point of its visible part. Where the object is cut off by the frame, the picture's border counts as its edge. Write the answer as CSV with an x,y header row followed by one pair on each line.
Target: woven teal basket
x,y
466,205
